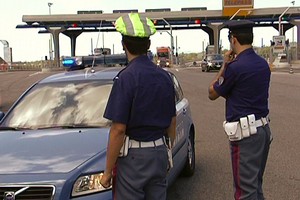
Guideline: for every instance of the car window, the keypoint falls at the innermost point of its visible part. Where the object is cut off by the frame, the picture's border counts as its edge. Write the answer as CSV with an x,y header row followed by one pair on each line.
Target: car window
x,y
61,104
163,54
178,90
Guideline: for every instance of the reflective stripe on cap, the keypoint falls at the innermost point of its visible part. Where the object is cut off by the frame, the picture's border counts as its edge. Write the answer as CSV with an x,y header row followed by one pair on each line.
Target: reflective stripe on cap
x,y
135,25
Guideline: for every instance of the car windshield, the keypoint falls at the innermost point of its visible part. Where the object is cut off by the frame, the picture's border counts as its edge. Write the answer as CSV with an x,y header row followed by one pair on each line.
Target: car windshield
x,y
215,57
62,104
162,54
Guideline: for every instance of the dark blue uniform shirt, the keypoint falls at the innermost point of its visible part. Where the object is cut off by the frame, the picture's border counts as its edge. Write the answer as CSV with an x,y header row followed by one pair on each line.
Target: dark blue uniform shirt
x,y
143,98
245,86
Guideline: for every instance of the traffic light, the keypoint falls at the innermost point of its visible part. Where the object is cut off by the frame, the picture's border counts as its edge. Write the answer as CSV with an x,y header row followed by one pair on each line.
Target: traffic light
x,y
197,21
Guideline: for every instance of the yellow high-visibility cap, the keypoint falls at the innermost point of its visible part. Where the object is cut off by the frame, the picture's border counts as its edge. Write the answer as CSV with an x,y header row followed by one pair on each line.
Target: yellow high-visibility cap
x,y
135,25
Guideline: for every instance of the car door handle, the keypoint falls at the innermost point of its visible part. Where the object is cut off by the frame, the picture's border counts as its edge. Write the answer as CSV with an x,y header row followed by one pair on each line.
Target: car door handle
x,y
184,111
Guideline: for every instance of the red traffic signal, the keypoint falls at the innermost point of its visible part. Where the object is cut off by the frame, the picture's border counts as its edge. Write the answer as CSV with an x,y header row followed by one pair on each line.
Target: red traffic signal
x,y
197,21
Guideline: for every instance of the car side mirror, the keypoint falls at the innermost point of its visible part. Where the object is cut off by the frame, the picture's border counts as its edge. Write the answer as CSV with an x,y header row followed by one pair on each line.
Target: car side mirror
x,y
1,115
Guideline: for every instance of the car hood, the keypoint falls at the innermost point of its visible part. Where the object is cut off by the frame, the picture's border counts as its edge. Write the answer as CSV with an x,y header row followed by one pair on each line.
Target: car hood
x,y
49,151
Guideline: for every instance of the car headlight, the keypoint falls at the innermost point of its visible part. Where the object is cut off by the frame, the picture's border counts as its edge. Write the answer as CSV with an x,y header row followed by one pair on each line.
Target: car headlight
x,y
209,64
88,184
167,63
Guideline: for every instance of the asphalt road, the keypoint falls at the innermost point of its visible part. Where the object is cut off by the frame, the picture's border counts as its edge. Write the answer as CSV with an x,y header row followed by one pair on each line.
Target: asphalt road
x,y
212,179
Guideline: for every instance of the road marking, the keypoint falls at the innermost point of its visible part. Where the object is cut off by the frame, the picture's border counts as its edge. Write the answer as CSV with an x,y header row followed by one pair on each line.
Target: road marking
x,y
4,73
34,73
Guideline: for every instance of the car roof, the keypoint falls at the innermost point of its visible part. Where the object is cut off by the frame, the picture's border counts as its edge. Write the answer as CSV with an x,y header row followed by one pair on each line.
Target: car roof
x,y
96,73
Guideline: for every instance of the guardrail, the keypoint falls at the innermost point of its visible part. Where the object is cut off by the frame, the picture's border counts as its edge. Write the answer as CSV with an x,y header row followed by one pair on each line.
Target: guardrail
x,y
30,66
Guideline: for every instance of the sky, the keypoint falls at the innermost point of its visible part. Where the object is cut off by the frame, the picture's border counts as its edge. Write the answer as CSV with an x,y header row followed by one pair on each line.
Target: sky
x,y
28,45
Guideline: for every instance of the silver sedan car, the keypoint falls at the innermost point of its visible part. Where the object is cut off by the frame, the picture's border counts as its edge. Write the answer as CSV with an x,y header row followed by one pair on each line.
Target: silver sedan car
x,y
53,139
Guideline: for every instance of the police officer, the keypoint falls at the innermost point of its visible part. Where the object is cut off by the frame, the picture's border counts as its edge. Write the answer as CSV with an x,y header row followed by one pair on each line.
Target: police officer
x,y
244,82
142,108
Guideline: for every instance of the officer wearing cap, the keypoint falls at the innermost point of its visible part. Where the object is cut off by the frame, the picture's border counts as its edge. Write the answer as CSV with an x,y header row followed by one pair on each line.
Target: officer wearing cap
x,y
142,108
244,82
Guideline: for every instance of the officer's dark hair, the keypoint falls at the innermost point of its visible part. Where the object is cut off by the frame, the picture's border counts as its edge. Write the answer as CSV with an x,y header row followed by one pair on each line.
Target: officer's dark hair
x,y
244,38
136,45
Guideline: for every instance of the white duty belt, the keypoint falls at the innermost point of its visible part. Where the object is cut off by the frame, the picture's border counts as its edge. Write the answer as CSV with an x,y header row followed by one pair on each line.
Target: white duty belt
x,y
139,144
245,127
262,122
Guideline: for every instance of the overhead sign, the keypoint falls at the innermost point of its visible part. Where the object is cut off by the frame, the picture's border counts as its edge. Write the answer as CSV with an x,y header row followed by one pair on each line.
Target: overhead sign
x,y
279,44
231,7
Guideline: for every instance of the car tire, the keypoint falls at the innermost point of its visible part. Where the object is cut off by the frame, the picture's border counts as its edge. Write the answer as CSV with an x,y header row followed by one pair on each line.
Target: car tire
x,y
189,167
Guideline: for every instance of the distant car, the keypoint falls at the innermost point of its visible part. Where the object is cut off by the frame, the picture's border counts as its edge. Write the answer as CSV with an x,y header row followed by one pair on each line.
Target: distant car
x,y
212,62
53,139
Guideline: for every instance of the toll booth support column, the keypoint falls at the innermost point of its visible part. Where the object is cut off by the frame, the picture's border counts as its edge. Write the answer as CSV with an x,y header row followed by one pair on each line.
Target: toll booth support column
x,y
73,36
216,27
285,27
210,33
55,31
297,24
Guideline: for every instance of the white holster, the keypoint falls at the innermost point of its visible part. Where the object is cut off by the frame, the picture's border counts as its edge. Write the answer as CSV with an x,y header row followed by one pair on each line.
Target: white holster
x,y
168,144
125,147
233,130
170,158
243,128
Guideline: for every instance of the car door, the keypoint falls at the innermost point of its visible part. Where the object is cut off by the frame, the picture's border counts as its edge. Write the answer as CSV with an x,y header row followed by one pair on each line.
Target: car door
x,y
181,109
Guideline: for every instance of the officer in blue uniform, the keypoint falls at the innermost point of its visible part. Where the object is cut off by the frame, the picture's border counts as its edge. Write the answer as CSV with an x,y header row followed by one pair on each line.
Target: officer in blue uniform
x,y
142,109
244,82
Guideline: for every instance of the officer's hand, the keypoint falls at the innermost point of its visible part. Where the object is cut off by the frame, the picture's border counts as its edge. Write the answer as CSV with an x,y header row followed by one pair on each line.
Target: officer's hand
x,y
106,179
228,56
